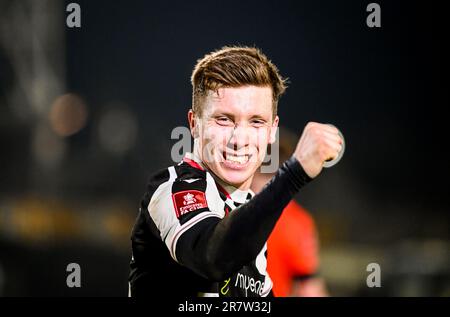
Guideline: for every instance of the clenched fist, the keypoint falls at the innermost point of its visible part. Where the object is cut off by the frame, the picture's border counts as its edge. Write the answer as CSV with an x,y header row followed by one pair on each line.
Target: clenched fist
x,y
319,143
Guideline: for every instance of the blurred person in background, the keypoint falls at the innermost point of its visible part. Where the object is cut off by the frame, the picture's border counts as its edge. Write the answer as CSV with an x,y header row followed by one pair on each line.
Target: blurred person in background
x,y
200,230
293,247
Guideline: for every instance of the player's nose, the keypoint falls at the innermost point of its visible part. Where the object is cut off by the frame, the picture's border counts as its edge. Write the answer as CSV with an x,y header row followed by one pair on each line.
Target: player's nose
x,y
240,137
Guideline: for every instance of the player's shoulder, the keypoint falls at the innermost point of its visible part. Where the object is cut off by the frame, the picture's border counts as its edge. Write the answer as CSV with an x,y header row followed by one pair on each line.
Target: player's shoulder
x,y
186,172
185,189
178,177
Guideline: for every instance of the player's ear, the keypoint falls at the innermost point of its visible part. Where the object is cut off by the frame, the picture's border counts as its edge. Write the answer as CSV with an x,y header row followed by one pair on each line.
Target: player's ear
x,y
273,130
192,118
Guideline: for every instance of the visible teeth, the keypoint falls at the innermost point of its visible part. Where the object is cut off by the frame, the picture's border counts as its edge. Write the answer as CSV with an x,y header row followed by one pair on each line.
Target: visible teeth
x,y
237,159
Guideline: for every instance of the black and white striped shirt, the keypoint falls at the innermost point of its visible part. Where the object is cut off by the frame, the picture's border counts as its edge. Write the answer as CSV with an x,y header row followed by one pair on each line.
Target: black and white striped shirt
x,y
178,202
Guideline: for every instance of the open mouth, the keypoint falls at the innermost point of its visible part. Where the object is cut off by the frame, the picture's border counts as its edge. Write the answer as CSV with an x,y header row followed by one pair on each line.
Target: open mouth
x,y
236,159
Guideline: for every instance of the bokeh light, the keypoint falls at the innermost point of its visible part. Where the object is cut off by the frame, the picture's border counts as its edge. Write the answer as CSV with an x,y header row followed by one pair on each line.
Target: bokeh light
x,y
68,115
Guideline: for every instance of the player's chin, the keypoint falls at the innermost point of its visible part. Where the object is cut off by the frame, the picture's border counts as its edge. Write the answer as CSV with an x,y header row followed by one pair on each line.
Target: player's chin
x,y
236,175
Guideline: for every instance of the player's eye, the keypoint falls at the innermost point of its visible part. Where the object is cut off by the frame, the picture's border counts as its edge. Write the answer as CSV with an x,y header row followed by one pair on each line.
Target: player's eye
x,y
224,121
257,123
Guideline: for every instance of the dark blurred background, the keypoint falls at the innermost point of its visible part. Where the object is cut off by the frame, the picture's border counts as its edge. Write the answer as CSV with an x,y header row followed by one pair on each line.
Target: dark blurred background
x,y
86,115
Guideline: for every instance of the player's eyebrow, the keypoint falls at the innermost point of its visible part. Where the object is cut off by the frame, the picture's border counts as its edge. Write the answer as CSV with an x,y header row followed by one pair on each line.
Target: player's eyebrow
x,y
257,116
218,113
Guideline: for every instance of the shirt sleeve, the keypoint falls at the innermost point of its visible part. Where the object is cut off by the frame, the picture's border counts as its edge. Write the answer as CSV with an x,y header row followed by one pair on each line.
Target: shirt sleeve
x,y
178,206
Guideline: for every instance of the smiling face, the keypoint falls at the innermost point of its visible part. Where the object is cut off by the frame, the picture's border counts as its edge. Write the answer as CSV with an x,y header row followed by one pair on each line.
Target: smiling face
x,y
233,132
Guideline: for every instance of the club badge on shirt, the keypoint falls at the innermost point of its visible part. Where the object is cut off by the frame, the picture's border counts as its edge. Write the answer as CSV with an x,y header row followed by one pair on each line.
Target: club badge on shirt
x,y
188,201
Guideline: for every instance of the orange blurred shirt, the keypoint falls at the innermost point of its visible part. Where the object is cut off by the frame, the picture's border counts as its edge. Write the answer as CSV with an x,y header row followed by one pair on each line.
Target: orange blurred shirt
x,y
292,249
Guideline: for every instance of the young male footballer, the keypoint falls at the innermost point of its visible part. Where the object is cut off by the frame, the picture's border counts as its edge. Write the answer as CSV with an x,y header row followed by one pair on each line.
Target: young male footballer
x,y
200,230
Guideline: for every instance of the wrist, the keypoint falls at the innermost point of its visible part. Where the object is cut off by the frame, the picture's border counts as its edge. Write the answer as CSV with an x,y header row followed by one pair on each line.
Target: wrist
x,y
296,172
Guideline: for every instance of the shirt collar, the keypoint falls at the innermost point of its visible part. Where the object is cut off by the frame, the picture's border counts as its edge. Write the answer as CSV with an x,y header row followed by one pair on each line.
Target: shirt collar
x,y
237,195
193,160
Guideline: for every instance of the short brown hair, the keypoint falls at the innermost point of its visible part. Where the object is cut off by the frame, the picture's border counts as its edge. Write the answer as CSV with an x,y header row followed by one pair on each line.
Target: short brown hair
x,y
234,66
